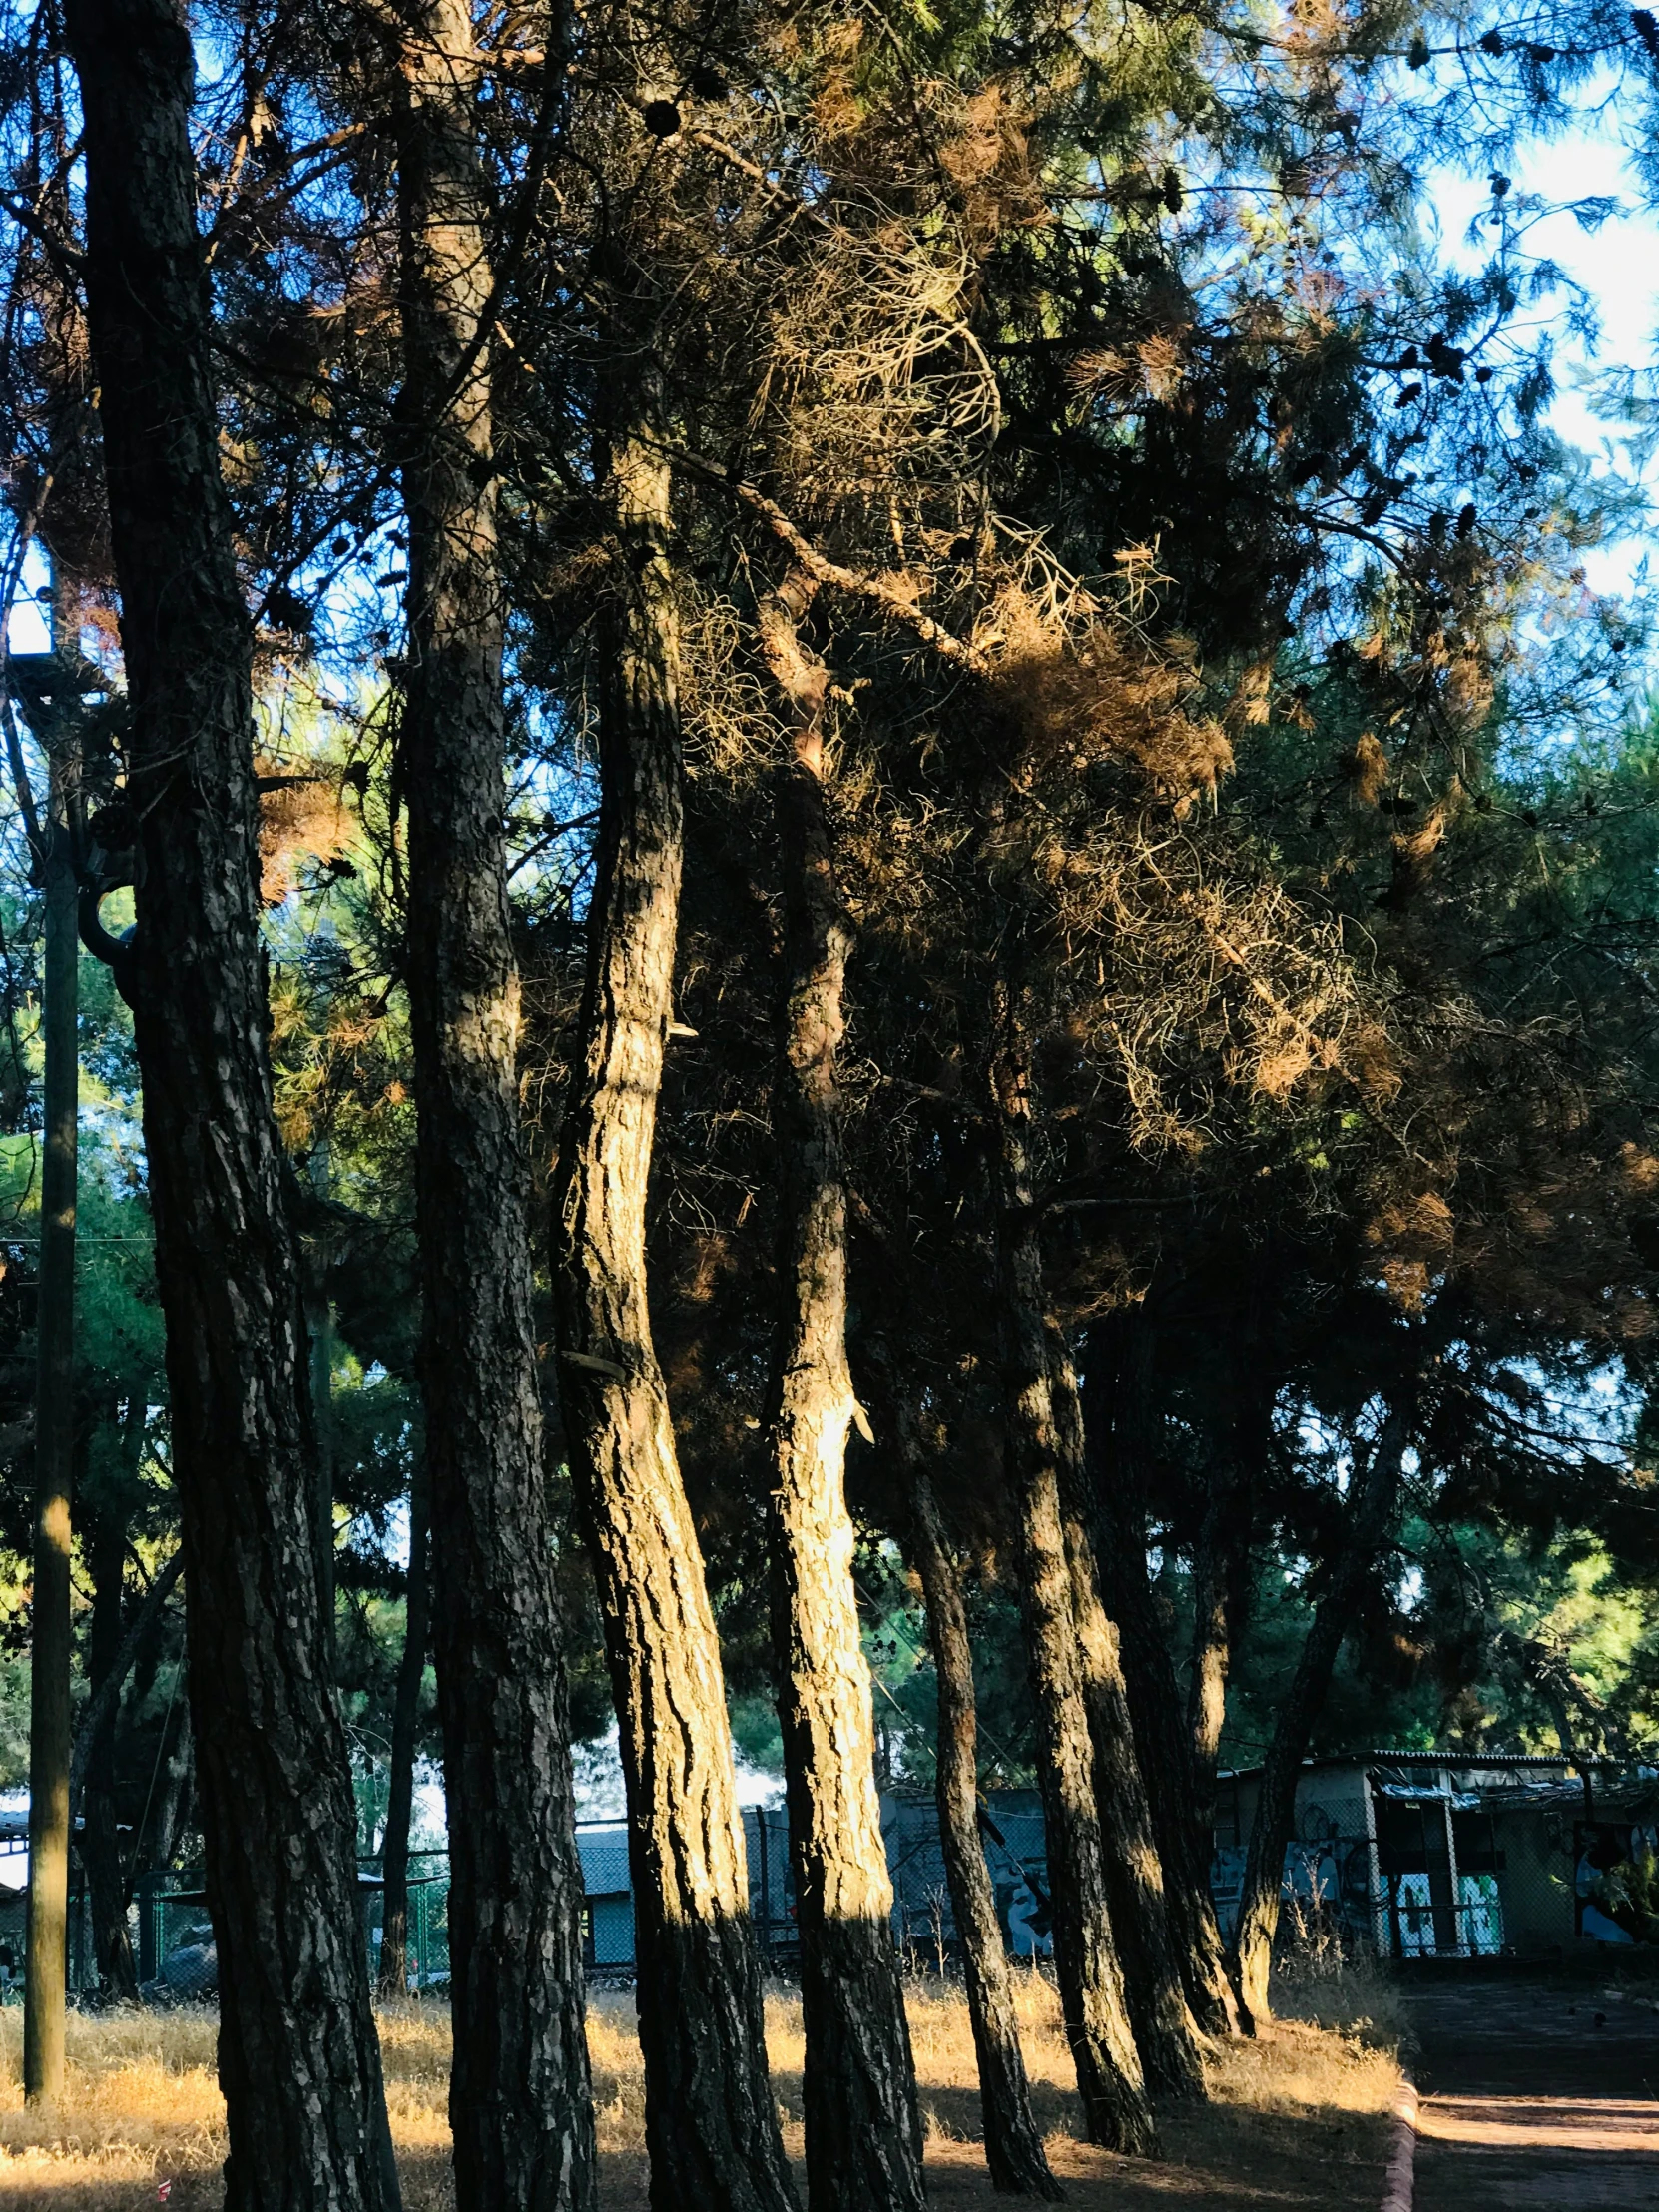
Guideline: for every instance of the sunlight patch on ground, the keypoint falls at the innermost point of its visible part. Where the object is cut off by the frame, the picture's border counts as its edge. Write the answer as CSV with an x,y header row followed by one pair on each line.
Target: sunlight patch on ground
x,y
143,2107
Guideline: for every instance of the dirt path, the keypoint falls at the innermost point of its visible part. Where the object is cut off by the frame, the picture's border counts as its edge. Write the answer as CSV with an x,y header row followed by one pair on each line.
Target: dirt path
x,y
1536,2098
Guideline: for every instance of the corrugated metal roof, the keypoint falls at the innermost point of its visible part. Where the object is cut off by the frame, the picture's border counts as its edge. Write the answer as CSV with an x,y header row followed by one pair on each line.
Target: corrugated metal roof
x,y
604,1853
1455,1759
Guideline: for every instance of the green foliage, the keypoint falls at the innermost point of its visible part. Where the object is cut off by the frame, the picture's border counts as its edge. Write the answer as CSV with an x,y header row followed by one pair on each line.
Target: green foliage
x,y
14,1719
1285,773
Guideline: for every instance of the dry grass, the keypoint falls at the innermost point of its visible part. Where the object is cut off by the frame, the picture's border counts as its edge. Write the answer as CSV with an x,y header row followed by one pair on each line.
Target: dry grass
x,y
1355,1997
143,2107
1304,2067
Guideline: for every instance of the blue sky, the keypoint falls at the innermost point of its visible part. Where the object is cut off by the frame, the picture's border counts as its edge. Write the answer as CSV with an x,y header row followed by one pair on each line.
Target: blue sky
x,y
28,630
1617,264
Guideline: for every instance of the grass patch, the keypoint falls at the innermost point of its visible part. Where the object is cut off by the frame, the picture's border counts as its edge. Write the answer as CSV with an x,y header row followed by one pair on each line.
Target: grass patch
x,y
1291,2122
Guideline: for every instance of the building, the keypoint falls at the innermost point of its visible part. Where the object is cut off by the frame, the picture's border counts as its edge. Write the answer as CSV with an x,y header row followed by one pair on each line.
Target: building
x,y
1409,1855
1013,1847
1416,1855
607,1895
1011,1829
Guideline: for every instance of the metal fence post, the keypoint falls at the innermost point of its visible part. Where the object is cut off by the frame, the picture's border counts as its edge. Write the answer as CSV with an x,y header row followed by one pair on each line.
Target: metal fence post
x,y
765,1849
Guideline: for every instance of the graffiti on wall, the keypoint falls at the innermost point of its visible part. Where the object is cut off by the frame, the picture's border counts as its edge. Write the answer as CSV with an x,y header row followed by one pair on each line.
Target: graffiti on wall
x,y
1616,1882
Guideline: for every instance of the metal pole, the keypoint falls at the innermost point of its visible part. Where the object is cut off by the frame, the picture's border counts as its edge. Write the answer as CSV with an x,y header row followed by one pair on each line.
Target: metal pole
x,y
765,1849
1373,1871
1460,1922
49,1739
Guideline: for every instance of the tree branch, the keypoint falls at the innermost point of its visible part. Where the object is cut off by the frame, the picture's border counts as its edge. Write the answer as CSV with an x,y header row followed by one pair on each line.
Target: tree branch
x,y
103,1700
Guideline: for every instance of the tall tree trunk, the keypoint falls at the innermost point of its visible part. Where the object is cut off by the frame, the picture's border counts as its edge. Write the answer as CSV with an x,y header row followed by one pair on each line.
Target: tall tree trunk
x,y
1092,1997
107,1887
711,2121
1166,2034
1220,1599
176,1798
1221,1562
319,1328
1013,2147
1115,1442
405,1721
134,1651
1370,1516
520,2099
863,2127
48,1652
298,2060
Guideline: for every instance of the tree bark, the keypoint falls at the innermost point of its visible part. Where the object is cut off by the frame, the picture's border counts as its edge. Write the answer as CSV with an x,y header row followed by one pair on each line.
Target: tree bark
x,y
863,2126
101,1706
50,1637
1115,1446
1370,1517
520,2098
1166,2034
1222,1571
298,2060
1220,1597
107,1887
710,2122
319,1330
406,1720
173,1801
1013,2147
1110,2080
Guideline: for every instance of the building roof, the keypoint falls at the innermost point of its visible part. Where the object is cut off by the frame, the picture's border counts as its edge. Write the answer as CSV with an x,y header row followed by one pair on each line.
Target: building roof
x,y
1457,1759
1492,1782
604,1853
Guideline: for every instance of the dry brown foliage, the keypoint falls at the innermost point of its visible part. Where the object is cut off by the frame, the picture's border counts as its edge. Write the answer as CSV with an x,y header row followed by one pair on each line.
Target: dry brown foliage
x,y
1076,693
301,818
1369,769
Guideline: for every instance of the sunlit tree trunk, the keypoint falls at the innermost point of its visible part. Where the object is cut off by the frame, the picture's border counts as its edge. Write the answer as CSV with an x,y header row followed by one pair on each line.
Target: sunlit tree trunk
x,y
863,2128
1370,1517
1166,2034
520,2100
1115,1441
1013,2145
711,2121
298,2055
1093,2001
405,1718
50,1638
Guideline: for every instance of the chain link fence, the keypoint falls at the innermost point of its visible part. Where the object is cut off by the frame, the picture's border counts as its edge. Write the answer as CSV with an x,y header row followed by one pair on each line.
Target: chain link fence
x,y
1016,1855
1405,1857
1411,1857
178,1960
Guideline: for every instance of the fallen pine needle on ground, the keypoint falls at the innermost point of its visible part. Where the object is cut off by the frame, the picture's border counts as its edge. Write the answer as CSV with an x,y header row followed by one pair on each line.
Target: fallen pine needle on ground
x,y
1297,2122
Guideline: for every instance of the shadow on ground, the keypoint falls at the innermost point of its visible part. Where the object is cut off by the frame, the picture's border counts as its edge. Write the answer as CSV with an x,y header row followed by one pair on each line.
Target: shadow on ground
x,y
1536,2097
1218,2160
1299,2123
